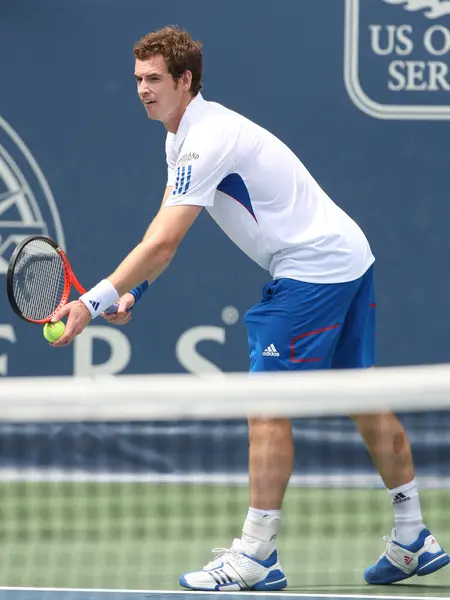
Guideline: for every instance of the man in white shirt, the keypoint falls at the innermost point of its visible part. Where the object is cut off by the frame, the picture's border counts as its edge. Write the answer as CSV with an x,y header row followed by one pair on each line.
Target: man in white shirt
x,y
317,312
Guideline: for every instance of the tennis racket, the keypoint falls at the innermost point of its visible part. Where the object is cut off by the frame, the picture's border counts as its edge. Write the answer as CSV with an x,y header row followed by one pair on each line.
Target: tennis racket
x,y
39,280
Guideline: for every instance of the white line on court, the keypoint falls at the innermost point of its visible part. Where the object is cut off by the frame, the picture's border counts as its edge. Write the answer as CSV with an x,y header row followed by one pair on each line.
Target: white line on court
x,y
177,592
339,480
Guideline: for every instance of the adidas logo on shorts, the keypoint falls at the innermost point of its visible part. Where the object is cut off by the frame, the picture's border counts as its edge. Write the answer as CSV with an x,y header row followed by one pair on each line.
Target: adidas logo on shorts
x,y
271,351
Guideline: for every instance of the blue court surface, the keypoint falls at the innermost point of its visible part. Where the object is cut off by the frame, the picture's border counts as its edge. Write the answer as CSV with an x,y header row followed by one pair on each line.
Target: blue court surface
x,y
396,593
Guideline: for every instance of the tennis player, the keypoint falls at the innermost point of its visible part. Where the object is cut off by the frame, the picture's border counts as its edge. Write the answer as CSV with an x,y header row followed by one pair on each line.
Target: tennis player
x,y
317,312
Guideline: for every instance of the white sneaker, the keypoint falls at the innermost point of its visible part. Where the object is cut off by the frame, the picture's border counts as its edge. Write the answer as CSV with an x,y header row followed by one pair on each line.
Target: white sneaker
x,y
233,570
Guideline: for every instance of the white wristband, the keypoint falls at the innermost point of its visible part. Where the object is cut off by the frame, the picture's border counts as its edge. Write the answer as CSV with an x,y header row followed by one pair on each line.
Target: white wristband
x,y
100,297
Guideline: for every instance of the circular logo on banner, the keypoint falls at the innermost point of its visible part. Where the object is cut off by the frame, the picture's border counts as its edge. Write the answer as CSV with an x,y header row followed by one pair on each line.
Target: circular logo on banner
x,y
397,58
27,206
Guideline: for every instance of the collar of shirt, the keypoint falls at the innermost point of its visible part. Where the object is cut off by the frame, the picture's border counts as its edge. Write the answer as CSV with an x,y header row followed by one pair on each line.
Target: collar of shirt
x,y
194,109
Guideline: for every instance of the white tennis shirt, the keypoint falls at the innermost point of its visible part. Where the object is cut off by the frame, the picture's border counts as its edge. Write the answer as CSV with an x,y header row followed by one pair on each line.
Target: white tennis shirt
x,y
262,196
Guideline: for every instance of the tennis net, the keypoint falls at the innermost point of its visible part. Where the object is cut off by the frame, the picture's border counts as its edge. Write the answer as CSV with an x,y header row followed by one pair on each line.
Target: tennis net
x,y
129,481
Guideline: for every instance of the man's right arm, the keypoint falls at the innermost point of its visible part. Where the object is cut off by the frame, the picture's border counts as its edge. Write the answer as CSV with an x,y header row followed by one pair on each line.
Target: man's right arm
x,y
167,193
127,301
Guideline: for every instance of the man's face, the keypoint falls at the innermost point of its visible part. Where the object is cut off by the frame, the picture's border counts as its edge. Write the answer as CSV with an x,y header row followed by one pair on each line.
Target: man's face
x,y
160,94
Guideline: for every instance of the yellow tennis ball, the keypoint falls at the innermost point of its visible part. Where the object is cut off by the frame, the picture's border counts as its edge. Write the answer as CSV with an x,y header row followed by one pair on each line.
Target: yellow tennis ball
x,y
53,331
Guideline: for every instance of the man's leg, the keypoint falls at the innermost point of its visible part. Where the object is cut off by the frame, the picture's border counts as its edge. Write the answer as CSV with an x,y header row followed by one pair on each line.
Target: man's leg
x,y
413,549
383,434
388,445
271,455
252,561
295,327
270,461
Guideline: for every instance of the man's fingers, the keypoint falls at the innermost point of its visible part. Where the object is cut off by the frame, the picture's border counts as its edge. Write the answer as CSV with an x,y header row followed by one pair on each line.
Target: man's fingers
x,y
122,319
63,340
110,318
123,314
69,334
123,307
78,319
61,313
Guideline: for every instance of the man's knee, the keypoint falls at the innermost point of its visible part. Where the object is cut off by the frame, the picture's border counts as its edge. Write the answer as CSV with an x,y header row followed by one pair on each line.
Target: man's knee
x,y
382,426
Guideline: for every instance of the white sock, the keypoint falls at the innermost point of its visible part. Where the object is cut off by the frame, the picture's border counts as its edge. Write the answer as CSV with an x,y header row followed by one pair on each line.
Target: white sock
x,y
407,513
260,531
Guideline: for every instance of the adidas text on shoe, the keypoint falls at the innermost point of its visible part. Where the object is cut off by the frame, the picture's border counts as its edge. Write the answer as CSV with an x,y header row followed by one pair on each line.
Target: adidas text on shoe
x,y
271,351
400,562
233,570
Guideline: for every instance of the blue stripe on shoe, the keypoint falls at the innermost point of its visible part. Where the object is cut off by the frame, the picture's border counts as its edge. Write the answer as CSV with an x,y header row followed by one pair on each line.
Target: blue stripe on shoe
x,y
384,572
417,545
184,583
429,563
267,562
275,581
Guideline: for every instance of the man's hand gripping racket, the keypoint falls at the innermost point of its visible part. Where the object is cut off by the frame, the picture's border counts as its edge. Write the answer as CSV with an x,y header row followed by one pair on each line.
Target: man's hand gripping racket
x,y
39,281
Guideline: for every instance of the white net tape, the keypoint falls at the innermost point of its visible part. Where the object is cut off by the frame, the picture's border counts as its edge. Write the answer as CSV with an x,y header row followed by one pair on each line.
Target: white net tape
x,y
150,397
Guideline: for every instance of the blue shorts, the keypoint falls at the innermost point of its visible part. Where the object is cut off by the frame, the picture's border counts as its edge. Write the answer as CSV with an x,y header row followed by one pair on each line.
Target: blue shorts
x,y
299,325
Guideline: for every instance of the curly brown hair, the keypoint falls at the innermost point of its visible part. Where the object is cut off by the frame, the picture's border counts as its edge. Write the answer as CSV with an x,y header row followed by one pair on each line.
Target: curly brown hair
x,y
180,52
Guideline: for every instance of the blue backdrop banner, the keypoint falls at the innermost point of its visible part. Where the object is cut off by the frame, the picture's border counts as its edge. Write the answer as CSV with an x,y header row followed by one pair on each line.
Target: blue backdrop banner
x,y
359,90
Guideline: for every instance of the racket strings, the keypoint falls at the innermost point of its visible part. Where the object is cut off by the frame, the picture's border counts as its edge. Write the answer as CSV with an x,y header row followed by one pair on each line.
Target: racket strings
x,y
39,280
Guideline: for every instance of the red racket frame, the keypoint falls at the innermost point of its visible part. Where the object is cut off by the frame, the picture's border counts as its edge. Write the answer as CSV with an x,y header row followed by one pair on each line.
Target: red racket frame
x,y
70,278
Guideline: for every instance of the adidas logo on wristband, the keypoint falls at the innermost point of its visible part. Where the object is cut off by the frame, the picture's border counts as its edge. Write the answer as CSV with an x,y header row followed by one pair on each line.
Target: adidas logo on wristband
x,y
99,298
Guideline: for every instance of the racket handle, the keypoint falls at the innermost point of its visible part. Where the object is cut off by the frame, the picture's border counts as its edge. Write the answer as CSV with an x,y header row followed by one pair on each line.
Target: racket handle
x,y
112,309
